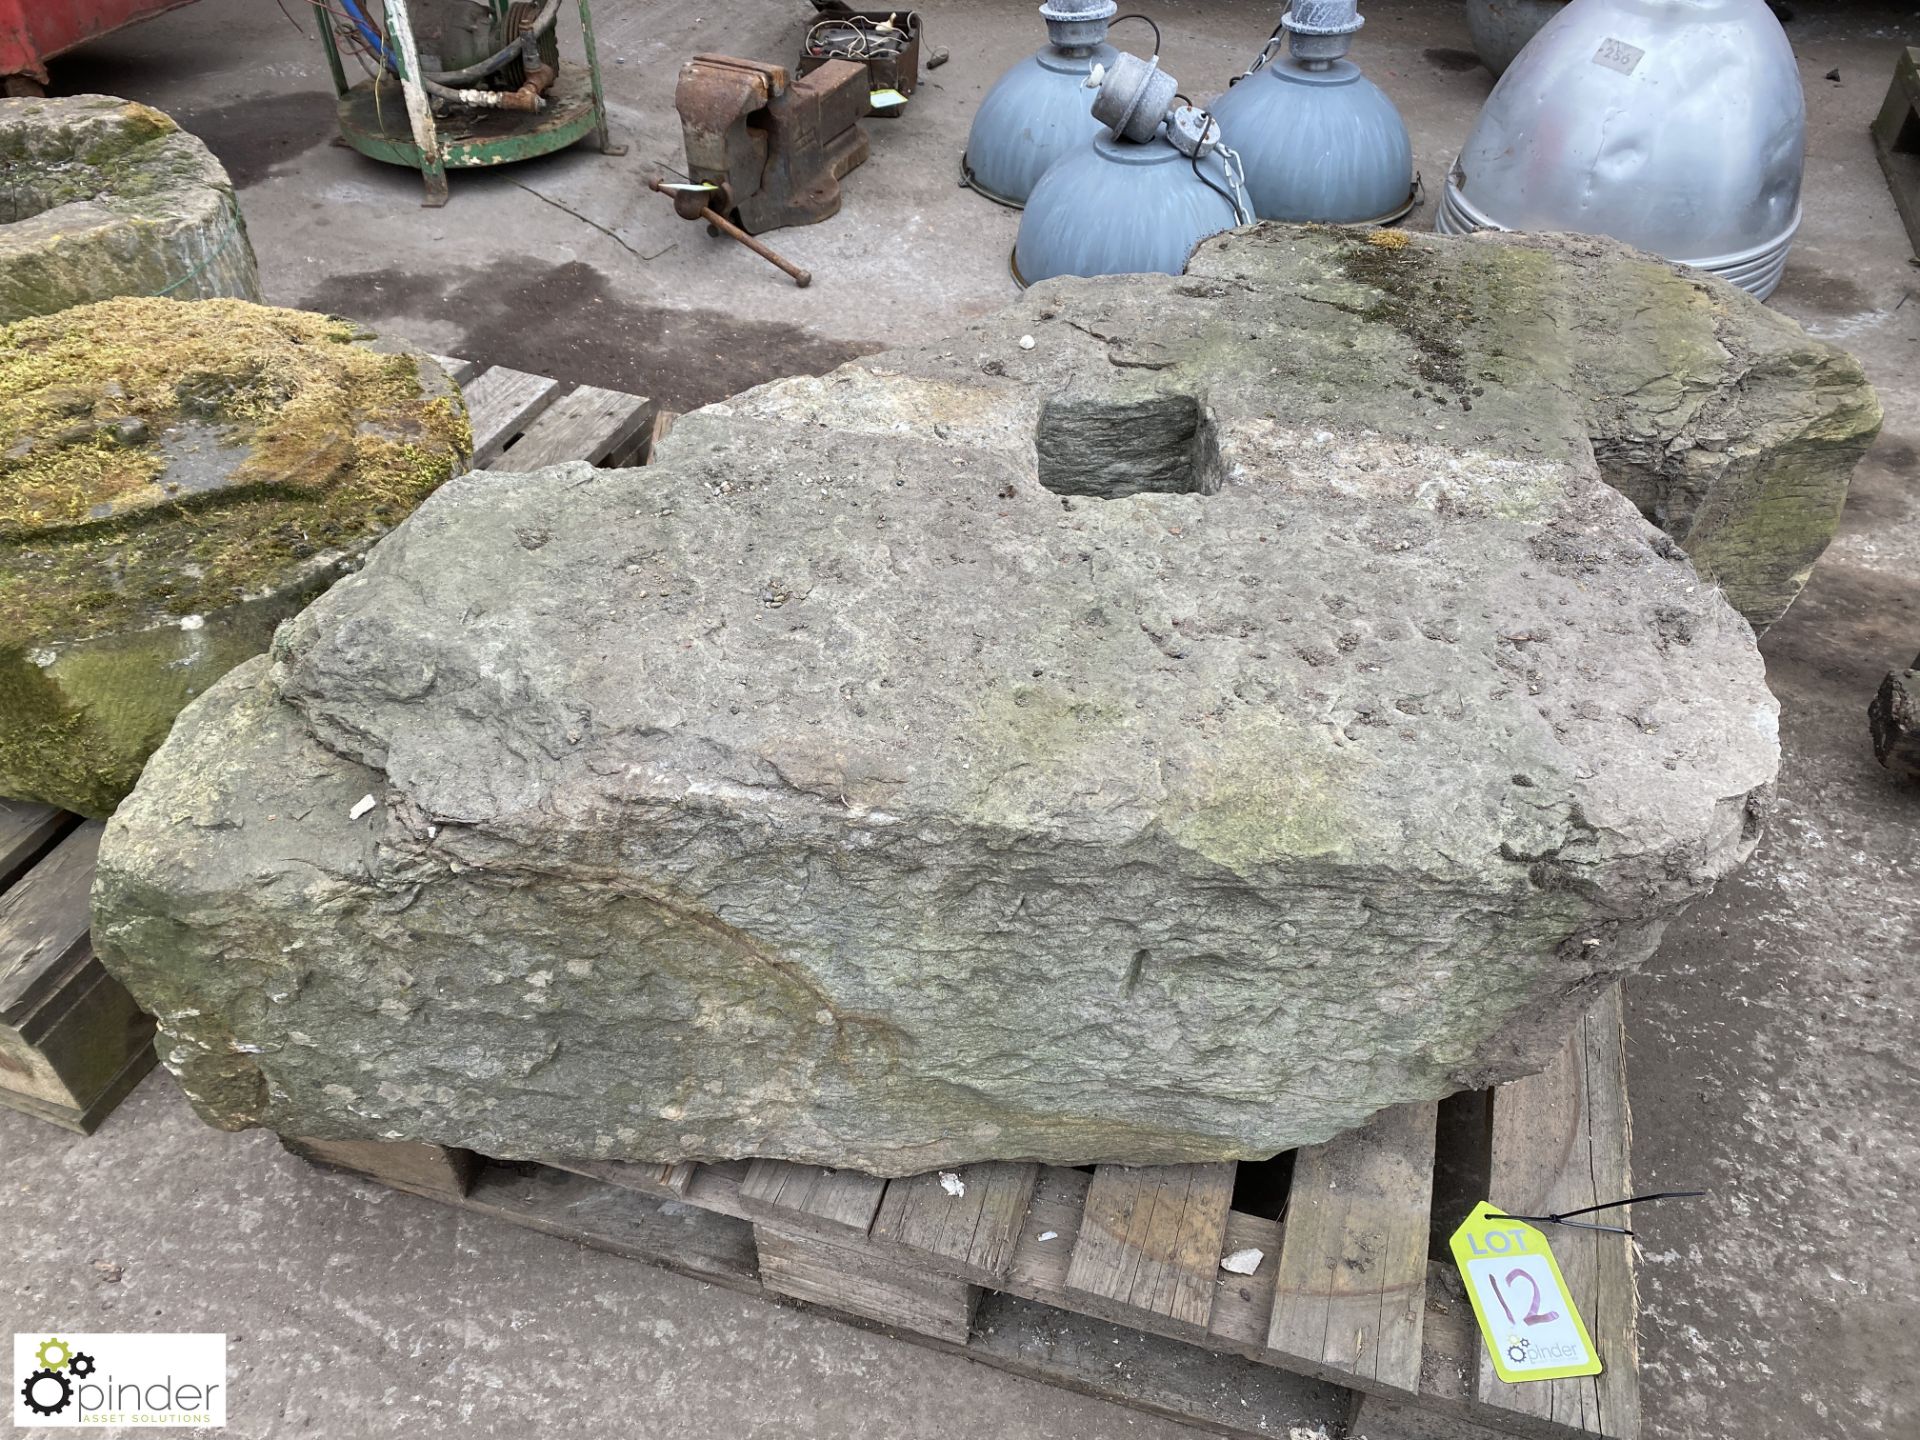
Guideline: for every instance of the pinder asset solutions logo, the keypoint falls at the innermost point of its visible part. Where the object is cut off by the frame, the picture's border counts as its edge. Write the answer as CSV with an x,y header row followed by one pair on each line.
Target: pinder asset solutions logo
x,y
75,1379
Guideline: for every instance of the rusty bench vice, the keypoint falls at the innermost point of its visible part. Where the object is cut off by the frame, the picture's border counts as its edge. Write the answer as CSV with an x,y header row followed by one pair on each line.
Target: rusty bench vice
x,y
776,147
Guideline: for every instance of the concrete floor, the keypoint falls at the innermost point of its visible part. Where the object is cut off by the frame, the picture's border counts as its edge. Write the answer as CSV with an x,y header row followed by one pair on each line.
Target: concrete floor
x,y
1772,1041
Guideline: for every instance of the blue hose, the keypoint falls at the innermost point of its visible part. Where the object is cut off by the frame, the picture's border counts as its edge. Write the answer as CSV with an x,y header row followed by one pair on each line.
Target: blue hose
x,y
365,26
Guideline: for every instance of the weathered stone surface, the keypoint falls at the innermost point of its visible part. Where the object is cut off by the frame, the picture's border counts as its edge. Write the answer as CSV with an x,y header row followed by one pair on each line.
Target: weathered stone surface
x,y
1729,426
1895,720
176,478
888,778
106,197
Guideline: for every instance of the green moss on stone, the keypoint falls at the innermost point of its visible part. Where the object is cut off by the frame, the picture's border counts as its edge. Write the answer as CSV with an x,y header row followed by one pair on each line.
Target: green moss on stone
x,y
176,478
340,442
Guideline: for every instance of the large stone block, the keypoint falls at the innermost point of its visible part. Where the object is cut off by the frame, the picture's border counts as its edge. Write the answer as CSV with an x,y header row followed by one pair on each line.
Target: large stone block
x,y
1244,708
176,479
106,197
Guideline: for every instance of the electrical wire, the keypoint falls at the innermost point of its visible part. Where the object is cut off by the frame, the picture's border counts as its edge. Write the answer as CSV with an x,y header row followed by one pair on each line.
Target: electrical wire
x,y
846,40
1230,165
1150,21
372,36
1209,182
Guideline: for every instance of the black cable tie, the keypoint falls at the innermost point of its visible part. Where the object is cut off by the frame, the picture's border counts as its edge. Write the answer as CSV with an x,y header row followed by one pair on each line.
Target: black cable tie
x,y
1565,1217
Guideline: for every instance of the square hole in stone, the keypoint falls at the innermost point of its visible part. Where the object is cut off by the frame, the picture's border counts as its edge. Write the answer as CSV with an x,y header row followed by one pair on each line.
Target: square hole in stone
x,y
1105,449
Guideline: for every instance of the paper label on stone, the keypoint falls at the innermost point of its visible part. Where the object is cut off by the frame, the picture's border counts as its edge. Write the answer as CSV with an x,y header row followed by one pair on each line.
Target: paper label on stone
x,y
1532,1329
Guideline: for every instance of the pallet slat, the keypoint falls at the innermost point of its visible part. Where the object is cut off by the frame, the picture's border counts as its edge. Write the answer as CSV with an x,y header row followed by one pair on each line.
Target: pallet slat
x,y
26,833
662,427
601,427
973,1232
1896,141
664,1182
1351,1278
1150,1242
1560,1142
1224,1394
717,1249
72,1042
858,1280
812,1199
501,403
439,1172
1243,1304
43,924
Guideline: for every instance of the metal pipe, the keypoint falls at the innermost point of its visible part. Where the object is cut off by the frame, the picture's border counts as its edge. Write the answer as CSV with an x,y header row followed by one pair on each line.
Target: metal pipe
x,y
529,99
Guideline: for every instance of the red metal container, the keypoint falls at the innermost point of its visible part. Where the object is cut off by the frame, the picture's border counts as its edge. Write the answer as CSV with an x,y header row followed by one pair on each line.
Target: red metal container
x,y
34,31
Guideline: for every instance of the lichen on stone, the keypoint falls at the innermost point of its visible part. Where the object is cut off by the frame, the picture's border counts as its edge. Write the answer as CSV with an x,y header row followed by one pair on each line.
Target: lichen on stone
x,y
107,197
47,167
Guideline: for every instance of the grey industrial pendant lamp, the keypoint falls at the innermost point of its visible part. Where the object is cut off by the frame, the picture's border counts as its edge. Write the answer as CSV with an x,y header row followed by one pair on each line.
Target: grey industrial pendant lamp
x,y
1677,126
1320,141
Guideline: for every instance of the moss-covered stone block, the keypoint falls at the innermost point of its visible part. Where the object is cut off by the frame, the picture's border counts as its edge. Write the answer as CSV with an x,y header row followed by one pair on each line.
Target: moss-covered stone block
x,y
176,478
106,197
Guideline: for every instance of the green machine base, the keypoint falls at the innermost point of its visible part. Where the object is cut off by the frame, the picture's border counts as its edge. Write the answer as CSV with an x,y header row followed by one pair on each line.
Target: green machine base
x,y
377,120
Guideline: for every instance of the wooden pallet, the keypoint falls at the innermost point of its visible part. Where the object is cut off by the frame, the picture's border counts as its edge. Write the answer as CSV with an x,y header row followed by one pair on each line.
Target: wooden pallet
x,y
1353,1318
1896,140
523,422
72,1042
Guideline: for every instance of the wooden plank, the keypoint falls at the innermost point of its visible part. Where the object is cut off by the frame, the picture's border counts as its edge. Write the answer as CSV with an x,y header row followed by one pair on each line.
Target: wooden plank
x,y
1350,1287
82,1042
1452,1347
1223,1394
601,427
662,427
859,1280
1043,1249
1376,1417
713,1248
1149,1243
1891,126
26,833
664,1182
972,1233
83,1119
1560,1142
809,1198
459,371
1450,1339
500,404
1243,1304
43,924
436,1171
1896,141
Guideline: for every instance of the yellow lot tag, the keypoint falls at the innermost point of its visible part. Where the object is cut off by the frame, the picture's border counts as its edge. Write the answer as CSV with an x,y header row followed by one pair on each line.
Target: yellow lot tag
x,y
885,99
1520,1299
